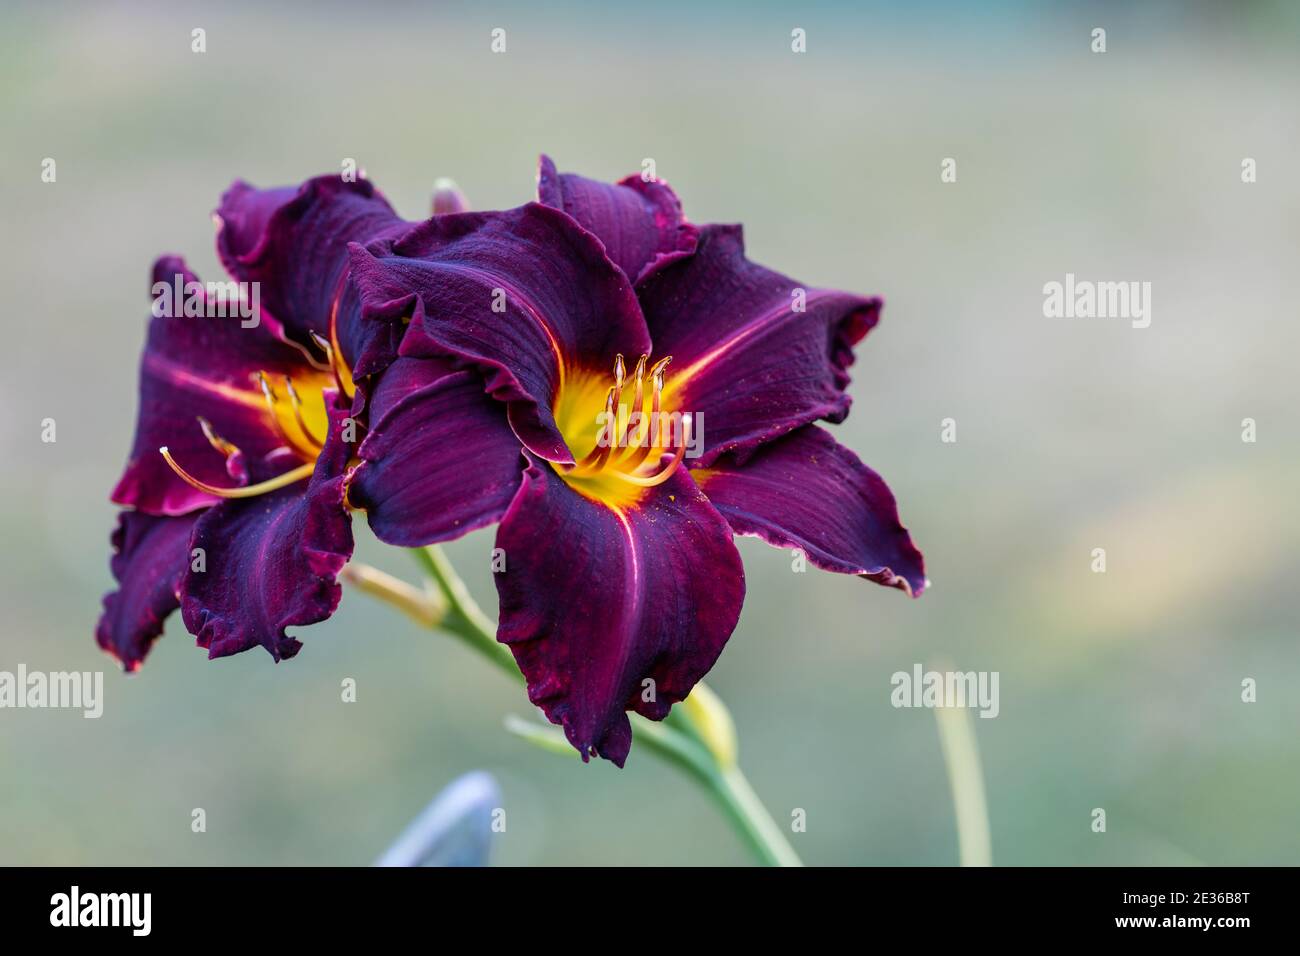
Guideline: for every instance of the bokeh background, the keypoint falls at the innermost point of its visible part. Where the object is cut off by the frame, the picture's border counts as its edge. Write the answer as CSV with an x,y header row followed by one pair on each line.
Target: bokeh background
x,y
1118,690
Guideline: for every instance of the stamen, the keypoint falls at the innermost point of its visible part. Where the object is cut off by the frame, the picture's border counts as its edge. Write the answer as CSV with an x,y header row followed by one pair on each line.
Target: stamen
x,y
649,431
297,412
247,491
657,479
215,440
647,440
342,374
312,360
323,345
640,378
638,401
657,374
331,355
269,394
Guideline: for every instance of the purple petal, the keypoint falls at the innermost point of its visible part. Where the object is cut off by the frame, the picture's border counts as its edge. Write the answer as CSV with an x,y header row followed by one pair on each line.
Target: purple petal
x,y
595,602
561,305
201,367
742,355
242,218
640,223
272,561
440,459
807,491
293,242
150,555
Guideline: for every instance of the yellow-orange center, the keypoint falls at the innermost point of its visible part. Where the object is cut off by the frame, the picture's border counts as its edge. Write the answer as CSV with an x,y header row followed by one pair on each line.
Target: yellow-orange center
x,y
295,410
619,429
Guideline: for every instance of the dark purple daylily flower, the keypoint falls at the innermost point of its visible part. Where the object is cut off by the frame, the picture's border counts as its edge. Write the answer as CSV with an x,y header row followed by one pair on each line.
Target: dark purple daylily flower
x,y
511,401
241,520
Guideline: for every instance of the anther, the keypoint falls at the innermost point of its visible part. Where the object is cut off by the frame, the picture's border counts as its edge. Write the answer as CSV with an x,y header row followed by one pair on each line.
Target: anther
x,y
640,379
657,374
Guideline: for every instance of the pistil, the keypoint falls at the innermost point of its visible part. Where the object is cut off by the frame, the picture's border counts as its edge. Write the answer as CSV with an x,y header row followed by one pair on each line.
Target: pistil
x,y
246,491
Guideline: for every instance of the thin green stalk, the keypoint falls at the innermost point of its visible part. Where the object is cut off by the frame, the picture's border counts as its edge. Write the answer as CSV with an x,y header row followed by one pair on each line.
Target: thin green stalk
x,y
962,759
738,800
719,775
464,618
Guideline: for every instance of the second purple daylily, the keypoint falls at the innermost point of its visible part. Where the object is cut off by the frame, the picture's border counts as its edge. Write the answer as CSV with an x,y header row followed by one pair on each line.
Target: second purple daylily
x,y
234,487
558,359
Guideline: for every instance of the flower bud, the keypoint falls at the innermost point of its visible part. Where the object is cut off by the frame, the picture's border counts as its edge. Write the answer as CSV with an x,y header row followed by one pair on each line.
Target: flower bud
x,y
711,720
447,197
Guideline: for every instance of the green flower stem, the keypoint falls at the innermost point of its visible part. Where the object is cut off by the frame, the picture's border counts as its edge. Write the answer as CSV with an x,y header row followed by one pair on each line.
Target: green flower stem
x,y
681,741
738,800
962,759
425,607
464,618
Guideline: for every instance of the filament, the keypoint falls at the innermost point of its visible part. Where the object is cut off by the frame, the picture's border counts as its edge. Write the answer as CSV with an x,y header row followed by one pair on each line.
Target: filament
x,y
342,374
660,477
271,401
636,397
595,459
652,437
215,440
296,402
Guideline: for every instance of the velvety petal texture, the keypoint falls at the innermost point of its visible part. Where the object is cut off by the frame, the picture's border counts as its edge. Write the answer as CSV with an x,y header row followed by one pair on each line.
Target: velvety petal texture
x,y
272,561
293,242
608,611
440,459
199,367
640,223
756,353
150,555
522,297
807,491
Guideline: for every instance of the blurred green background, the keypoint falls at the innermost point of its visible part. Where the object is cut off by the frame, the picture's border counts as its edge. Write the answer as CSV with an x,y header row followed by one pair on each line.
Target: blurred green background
x,y
1118,690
